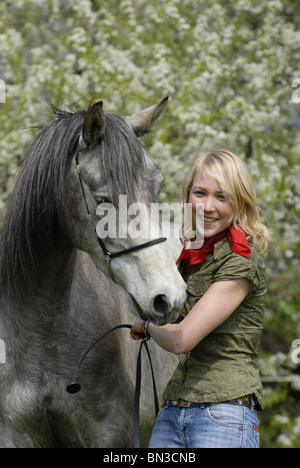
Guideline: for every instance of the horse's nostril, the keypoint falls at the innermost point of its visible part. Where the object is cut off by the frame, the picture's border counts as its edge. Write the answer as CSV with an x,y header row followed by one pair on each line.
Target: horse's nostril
x,y
161,305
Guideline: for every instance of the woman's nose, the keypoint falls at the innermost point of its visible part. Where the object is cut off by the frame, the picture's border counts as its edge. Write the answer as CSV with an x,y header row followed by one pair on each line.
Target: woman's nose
x,y
209,204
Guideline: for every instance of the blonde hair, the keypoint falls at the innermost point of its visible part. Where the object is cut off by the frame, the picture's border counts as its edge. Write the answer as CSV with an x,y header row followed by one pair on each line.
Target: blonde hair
x,y
237,185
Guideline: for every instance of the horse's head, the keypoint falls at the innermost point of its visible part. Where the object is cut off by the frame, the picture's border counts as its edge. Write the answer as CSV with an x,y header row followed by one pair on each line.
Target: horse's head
x,y
114,190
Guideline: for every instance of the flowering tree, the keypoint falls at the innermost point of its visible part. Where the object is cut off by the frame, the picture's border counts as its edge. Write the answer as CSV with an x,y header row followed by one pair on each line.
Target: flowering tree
x,y
228,66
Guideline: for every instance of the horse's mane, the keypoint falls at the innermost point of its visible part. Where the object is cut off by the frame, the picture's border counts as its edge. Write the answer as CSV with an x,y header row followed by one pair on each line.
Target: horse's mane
x,y
35,217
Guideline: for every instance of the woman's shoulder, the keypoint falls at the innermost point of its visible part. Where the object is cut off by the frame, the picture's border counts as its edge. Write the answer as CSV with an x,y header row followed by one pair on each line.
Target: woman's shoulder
x,y
231,266
224,253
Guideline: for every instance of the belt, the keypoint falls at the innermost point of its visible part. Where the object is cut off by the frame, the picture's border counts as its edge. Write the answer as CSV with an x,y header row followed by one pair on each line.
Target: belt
x,y
241,401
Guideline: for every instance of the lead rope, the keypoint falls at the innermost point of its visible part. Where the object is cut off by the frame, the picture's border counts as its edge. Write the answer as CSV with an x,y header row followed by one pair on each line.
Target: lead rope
x,y
137,395
75,387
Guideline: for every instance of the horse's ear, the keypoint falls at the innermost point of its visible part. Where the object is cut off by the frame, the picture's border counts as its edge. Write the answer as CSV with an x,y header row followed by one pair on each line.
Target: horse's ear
x,y
93,125
142,121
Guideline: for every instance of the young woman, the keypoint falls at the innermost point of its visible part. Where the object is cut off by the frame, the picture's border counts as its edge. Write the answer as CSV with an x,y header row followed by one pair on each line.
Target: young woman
x,y
214,395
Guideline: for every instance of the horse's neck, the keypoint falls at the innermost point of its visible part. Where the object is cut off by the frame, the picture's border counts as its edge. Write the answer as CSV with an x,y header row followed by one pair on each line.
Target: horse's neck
x,y
71,286
47,298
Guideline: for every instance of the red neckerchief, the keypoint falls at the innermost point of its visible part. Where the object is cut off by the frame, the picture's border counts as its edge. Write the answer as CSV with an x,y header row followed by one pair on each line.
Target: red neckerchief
x,y
237,239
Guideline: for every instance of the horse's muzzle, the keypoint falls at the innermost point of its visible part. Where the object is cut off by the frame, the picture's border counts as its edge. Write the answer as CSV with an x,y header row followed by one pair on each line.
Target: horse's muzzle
x,y
159,312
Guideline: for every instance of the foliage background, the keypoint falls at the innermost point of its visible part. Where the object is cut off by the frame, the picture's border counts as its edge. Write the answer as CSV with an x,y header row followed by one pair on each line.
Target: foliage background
x,y
228,67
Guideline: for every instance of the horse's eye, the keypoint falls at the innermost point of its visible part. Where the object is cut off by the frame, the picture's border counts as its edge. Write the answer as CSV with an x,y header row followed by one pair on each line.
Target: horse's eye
x,y
101,199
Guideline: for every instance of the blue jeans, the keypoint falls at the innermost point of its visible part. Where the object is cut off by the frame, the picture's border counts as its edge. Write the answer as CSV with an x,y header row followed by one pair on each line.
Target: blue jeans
x,y
201,426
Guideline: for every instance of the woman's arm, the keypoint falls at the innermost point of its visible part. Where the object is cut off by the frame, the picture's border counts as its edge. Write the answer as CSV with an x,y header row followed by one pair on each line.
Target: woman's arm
x,y
214,307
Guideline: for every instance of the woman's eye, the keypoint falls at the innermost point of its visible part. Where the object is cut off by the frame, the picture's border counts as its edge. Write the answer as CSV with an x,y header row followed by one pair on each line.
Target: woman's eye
x,y
199,193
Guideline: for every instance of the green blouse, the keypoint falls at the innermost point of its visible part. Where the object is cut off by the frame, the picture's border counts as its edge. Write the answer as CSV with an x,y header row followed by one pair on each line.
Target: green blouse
x,y
223,365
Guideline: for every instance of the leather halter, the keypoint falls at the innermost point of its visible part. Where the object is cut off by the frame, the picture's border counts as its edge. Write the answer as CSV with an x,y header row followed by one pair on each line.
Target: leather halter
x,y
107,254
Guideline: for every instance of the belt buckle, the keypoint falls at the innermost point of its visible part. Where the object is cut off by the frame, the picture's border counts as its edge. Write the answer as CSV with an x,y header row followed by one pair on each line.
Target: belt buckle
x,y
180,402
184,403
243,401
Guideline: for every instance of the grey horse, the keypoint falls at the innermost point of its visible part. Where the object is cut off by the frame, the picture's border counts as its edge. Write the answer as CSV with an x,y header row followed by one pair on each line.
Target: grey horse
x,y
57,294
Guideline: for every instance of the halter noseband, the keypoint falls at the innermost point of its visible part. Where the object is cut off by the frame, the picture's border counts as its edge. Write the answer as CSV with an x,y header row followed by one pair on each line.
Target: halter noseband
x,y
107,254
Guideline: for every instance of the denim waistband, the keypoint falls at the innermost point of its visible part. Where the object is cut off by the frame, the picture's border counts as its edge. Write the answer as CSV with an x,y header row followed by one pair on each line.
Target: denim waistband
x,y
247,401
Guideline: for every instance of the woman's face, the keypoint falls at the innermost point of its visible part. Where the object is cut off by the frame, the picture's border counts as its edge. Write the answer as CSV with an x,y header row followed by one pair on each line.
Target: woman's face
x,y
218,211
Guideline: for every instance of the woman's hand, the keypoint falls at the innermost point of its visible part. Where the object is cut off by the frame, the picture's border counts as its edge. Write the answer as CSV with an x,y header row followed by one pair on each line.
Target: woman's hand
x,y
137,332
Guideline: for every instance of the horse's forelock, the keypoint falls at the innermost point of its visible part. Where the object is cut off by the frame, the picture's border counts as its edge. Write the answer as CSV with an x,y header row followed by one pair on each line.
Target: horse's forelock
x,y
122,159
